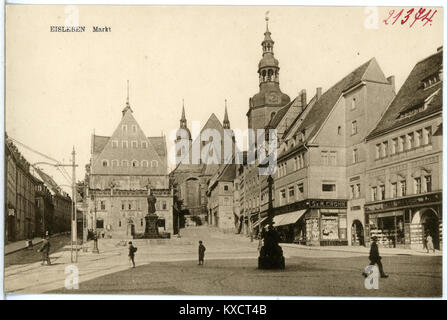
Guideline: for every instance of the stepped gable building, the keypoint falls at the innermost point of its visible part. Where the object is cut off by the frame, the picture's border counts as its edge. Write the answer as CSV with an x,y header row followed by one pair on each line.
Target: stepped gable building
x,y
404,177
323,157
122,168
198,160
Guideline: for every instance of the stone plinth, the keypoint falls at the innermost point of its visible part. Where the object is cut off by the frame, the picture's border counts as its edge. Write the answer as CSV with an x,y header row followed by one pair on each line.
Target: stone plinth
x,y
151,230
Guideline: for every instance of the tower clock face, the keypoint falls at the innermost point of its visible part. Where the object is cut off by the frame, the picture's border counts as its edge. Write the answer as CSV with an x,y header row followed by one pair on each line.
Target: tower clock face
x,y
272,98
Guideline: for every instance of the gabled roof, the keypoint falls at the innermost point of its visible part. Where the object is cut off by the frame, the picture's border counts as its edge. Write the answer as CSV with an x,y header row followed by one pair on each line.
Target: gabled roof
x,y
369,71
49,182
106,151
413,95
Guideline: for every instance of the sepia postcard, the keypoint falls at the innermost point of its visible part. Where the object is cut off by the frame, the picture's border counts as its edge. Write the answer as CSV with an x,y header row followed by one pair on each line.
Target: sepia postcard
x,y
223,151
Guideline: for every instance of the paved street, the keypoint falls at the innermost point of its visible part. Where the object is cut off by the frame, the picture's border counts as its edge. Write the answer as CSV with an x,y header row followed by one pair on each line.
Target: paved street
x,y
170,267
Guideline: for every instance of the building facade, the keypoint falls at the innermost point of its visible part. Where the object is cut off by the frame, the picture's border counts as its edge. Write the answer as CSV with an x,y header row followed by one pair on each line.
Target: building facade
x,y
404,176
122,169
197,161
20,185
323,157
221,198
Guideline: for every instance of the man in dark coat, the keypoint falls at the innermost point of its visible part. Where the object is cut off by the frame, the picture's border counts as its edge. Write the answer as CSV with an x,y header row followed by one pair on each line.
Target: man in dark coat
x,y
375,258
132,251
45,249
201,252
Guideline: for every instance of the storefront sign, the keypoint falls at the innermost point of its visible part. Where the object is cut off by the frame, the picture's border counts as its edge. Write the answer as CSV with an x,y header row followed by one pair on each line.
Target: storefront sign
x,y
405,202
317,203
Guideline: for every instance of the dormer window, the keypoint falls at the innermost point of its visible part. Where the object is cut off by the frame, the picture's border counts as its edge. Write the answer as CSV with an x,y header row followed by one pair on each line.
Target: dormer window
x,y
432,80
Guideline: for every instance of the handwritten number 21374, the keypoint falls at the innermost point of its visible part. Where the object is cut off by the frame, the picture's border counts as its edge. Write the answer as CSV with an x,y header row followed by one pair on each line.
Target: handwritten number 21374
x,y
422,14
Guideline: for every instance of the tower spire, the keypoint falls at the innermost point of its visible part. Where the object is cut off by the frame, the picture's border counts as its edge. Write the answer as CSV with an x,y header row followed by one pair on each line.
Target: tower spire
x,y
226,122
127,107
183,118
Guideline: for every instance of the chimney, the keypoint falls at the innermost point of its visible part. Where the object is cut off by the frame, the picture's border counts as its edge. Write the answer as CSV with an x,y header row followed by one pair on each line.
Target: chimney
x,y
319,92
392,82
303,98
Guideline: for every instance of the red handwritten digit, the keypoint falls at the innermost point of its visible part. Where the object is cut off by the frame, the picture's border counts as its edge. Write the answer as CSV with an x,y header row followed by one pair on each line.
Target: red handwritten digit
x,y
398,15
409,12
429,19
418,16
390,15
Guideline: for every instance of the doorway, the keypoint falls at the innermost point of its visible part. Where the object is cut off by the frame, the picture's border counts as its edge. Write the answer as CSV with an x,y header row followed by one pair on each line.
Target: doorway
x,y
357,234
430,225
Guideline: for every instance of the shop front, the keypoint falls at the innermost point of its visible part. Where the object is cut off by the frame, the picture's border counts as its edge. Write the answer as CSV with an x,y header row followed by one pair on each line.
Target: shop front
x,y
317,222
405,222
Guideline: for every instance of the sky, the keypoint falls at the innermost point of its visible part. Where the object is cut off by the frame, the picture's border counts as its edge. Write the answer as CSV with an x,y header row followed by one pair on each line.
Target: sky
x,y
62,87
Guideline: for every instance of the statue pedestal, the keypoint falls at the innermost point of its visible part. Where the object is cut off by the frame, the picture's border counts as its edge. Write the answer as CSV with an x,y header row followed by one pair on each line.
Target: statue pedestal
x,y
271,258
151,230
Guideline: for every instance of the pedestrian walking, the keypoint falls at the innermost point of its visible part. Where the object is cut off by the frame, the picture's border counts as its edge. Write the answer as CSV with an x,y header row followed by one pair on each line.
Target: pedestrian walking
x,y
375,258
429,242
45,249
132,251
201,252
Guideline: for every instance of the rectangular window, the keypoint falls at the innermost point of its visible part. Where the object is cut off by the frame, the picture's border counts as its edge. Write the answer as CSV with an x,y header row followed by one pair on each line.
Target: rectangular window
x,y
124,127
291,192
164,205
134,144
123,205
225,188
124,144
401,143
384,149
382,192
295,163
328,187
427,183
427,135
353,104
394,146
115,144
283,193
333,158
417,185
103,205
300,187
324,158
354,127
144,144
410,141
352,192
134,128
378,151
357,190
403,188
129,206
355,156
394,190
418,139
374,193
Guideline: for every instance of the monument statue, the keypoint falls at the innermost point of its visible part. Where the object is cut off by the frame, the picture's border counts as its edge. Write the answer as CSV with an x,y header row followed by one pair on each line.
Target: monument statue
x,y
151,230
271,255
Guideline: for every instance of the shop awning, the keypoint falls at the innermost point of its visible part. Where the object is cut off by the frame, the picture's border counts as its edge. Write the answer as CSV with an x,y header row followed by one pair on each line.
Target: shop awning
x,y
288,218
258,222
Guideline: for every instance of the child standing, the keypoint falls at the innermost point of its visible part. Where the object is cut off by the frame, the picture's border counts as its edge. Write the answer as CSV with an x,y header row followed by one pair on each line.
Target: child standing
x,y
201,252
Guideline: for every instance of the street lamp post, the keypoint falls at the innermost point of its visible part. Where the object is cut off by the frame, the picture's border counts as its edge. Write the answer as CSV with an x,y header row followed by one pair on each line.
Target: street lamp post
x,y
95,235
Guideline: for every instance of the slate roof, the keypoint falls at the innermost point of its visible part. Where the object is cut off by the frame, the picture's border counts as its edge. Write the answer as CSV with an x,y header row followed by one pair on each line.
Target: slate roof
x,y
159,144
412,95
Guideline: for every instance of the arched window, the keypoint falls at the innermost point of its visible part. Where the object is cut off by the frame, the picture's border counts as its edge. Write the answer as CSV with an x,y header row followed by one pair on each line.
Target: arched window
x,y
105,163
115,163
125,163
134,163
145,163
154,163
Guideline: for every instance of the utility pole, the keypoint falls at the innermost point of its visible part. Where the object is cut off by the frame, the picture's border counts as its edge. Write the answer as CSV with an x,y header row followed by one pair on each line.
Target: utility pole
x,y
74,216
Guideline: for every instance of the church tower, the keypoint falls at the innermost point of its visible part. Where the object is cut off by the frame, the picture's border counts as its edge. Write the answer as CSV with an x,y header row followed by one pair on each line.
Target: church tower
x,y
183,138
264,105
